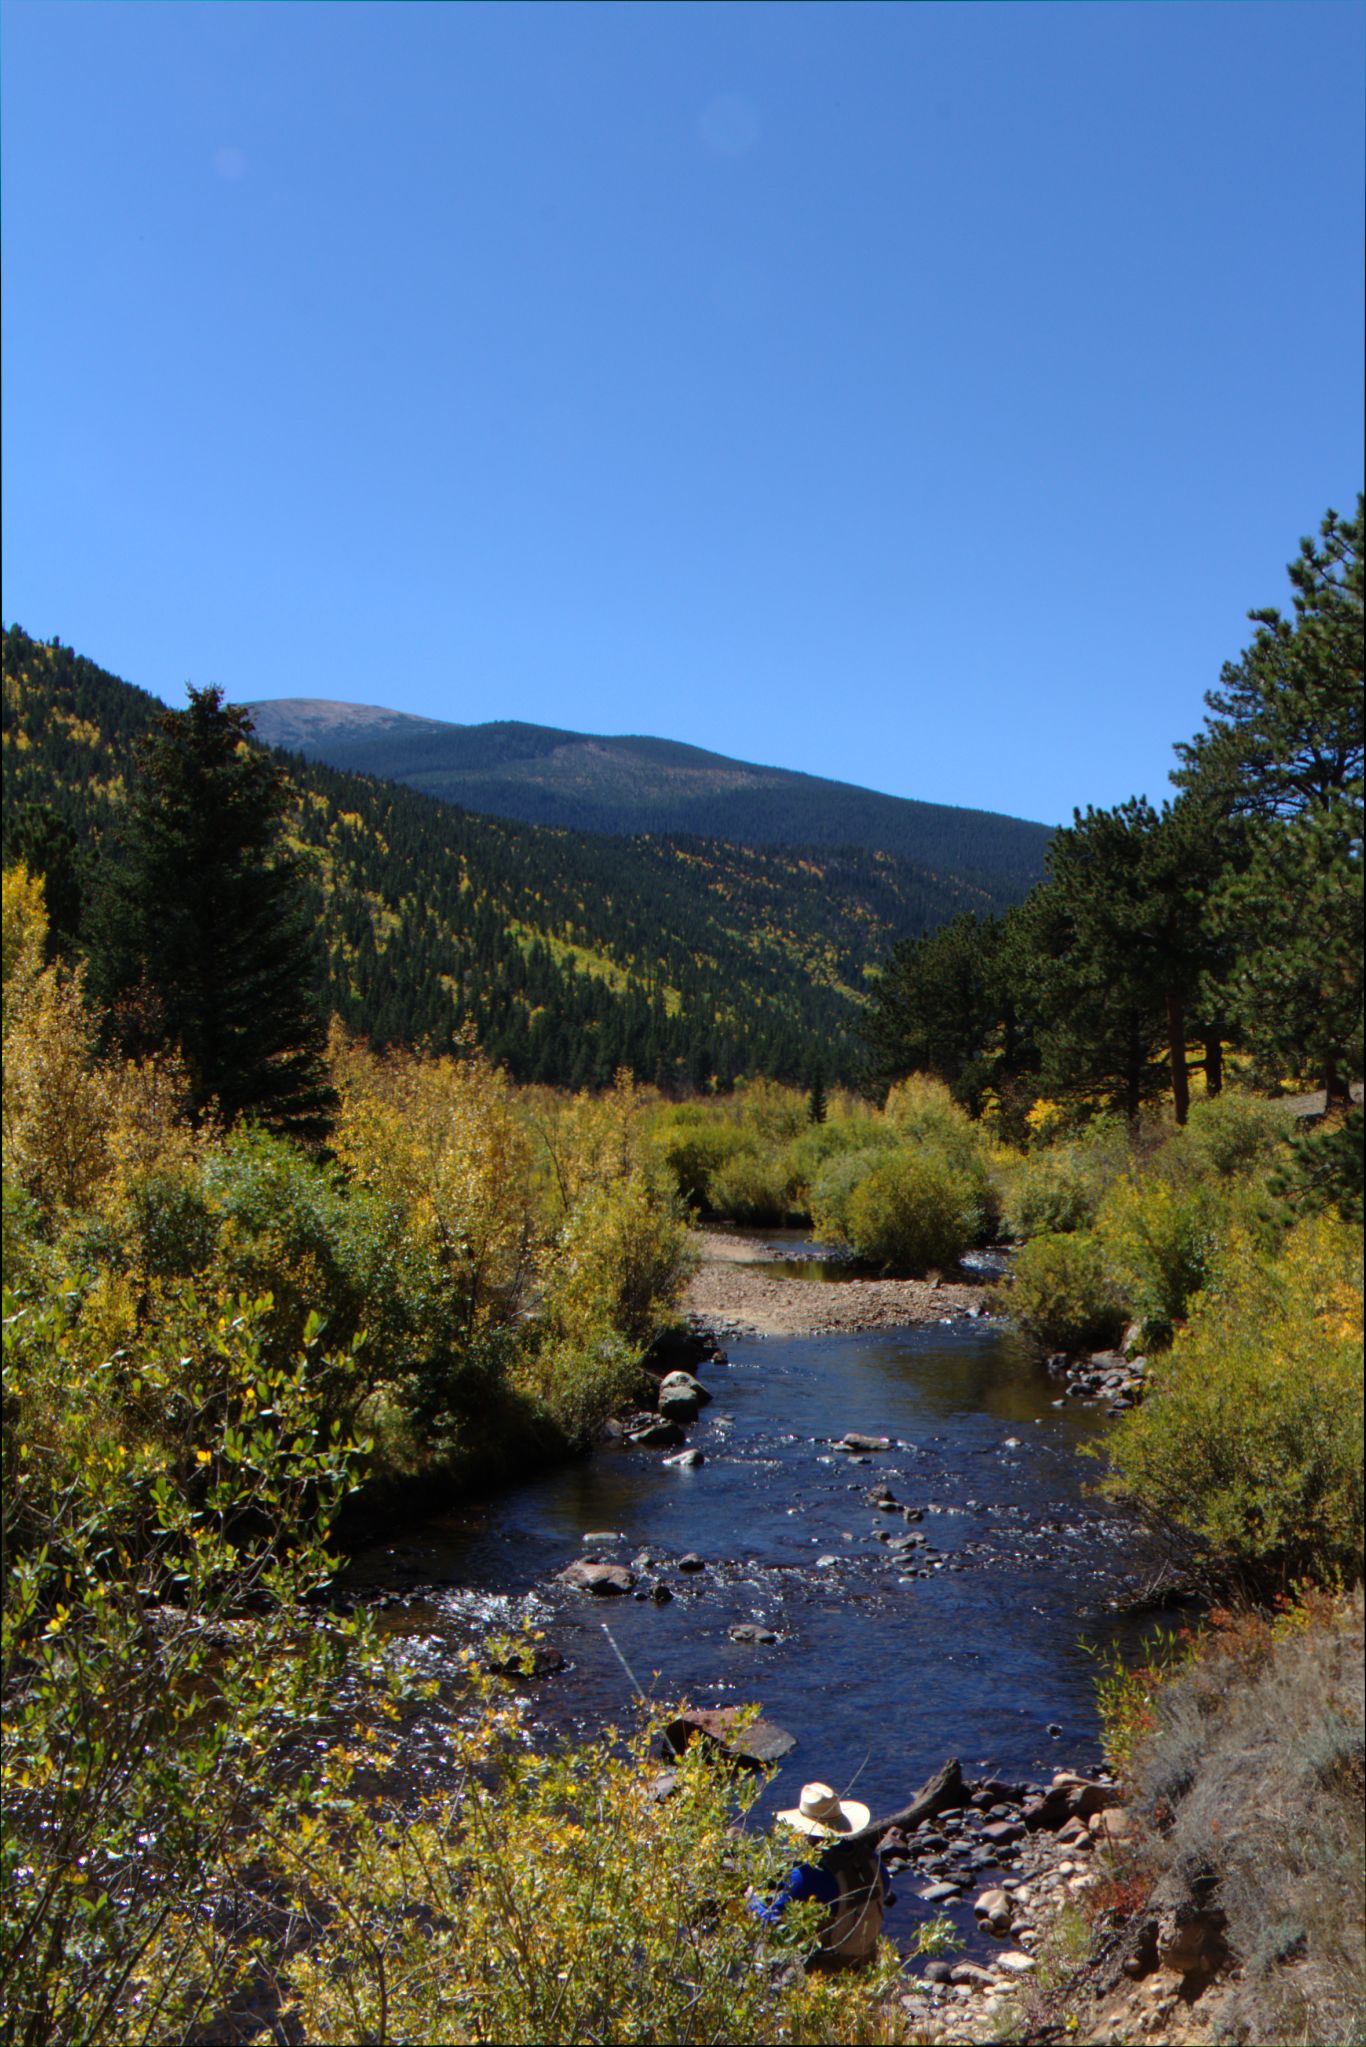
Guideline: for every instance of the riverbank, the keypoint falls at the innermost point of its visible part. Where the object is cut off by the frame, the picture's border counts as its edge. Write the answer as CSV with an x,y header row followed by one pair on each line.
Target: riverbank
x,y
732,1294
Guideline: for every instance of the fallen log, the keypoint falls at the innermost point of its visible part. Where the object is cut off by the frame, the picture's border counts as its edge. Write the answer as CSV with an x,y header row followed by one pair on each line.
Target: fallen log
x,y
946,1788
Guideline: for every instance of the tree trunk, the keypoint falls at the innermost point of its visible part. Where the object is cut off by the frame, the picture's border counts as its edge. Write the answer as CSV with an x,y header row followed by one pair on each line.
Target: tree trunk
x,y
1214,1064
1133,1072
946,1788
1336,1092
1176,1043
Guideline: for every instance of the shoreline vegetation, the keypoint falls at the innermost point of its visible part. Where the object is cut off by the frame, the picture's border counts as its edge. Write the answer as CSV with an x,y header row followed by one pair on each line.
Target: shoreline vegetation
x,y
260,1277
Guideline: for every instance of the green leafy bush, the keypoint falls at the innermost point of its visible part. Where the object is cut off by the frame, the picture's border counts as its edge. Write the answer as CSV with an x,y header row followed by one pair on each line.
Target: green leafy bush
x,y
1063,1294
158,1678
1048,1197
1165,1241
696,1147
833,1190
911,1213
559,1899
1251,1436
752,1186
810,1158
1232,1136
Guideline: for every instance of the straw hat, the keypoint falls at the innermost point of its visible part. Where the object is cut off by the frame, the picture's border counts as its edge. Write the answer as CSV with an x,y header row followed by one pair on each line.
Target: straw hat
x,y
820,1812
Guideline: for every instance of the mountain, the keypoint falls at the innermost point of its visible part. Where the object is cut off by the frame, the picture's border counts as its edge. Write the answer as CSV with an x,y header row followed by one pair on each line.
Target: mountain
x,y
542,775
688,959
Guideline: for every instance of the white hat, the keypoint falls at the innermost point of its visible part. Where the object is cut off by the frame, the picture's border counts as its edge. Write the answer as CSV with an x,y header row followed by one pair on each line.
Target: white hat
x,y
820,1812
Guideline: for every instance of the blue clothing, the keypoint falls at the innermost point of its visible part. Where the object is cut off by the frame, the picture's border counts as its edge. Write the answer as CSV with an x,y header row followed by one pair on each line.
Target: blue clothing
x,y
808,1880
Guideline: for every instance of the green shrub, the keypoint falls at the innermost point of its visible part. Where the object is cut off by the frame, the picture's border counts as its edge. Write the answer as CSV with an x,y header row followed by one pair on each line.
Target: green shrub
x,y
810,1157
160,1694
576,1387
1063,1294
618,1264
752,1186
171,1224
834,1188
1165,1241
1231,1136
911,1213
695,1150
1048,1197
1251,1436
560,1899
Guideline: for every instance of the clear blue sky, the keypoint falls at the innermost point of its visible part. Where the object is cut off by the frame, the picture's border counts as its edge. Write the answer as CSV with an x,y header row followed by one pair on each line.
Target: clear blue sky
x,y
919,395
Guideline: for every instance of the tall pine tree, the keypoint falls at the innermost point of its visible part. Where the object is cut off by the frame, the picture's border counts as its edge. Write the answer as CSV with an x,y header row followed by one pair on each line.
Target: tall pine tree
x,y
201,940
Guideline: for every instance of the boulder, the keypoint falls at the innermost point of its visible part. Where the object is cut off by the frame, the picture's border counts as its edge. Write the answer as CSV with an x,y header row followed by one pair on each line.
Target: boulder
x,y
969,1974
852,1440
993,1907
686,1460
679,1350
600,1579
1190,1940
603,1538
681,1397
657,1435
691,1562
759,1744
750,1631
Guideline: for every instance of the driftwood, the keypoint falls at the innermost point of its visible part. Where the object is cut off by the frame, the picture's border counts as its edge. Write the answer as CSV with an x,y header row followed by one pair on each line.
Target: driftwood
x,y
946,1788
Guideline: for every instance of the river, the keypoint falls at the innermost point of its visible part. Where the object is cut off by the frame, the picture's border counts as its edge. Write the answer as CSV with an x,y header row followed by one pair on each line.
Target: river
x,y
886,1662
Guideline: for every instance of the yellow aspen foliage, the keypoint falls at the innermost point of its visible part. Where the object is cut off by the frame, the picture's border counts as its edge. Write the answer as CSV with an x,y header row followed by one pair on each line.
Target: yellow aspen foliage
x,y
55,1100
25,933
441,1140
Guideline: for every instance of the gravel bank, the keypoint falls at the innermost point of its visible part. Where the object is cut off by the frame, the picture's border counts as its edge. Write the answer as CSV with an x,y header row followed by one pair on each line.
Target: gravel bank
x,y
726,1294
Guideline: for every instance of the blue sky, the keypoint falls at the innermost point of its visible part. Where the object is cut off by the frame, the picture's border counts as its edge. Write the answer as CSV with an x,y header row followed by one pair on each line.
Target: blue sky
x,y
919,395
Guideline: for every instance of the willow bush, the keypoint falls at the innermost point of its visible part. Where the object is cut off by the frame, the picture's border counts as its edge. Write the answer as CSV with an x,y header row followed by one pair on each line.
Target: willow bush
x,y
565,1897
1250,1438
1063,1294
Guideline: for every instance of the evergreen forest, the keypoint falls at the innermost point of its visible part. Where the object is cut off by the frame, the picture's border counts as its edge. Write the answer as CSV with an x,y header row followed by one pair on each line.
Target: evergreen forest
x,y
691,961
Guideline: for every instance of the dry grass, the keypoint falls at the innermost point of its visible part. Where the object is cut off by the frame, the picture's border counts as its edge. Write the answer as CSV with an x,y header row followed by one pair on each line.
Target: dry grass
x,y
1251,1784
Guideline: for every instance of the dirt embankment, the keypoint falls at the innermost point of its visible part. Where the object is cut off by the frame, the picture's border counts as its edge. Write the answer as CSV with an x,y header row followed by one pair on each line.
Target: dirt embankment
x,y
730,1293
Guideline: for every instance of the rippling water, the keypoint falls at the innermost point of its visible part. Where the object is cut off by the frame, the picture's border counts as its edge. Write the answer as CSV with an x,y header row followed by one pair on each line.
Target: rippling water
x,y
886,1663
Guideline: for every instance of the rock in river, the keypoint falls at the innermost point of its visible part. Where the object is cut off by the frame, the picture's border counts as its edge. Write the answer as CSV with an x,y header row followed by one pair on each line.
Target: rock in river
x,y
601,1579
759,1744
661,1435
680,1396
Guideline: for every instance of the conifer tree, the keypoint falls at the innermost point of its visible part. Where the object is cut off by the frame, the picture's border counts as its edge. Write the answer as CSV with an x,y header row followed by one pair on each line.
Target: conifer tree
x,y
201,939
1283,748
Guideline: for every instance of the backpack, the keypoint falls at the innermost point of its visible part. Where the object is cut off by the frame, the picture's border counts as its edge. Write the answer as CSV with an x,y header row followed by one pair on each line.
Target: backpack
x,y
855,1923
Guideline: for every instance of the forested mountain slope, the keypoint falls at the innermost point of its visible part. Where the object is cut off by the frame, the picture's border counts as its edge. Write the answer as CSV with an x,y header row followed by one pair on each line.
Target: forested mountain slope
x,y
629,784
570,955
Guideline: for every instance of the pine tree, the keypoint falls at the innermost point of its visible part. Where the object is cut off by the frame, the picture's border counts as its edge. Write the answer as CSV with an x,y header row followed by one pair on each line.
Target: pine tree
x,y
1283,748
201,939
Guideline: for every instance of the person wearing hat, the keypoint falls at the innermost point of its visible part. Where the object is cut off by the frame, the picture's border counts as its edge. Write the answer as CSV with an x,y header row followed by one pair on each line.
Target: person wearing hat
x,y
847,1878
